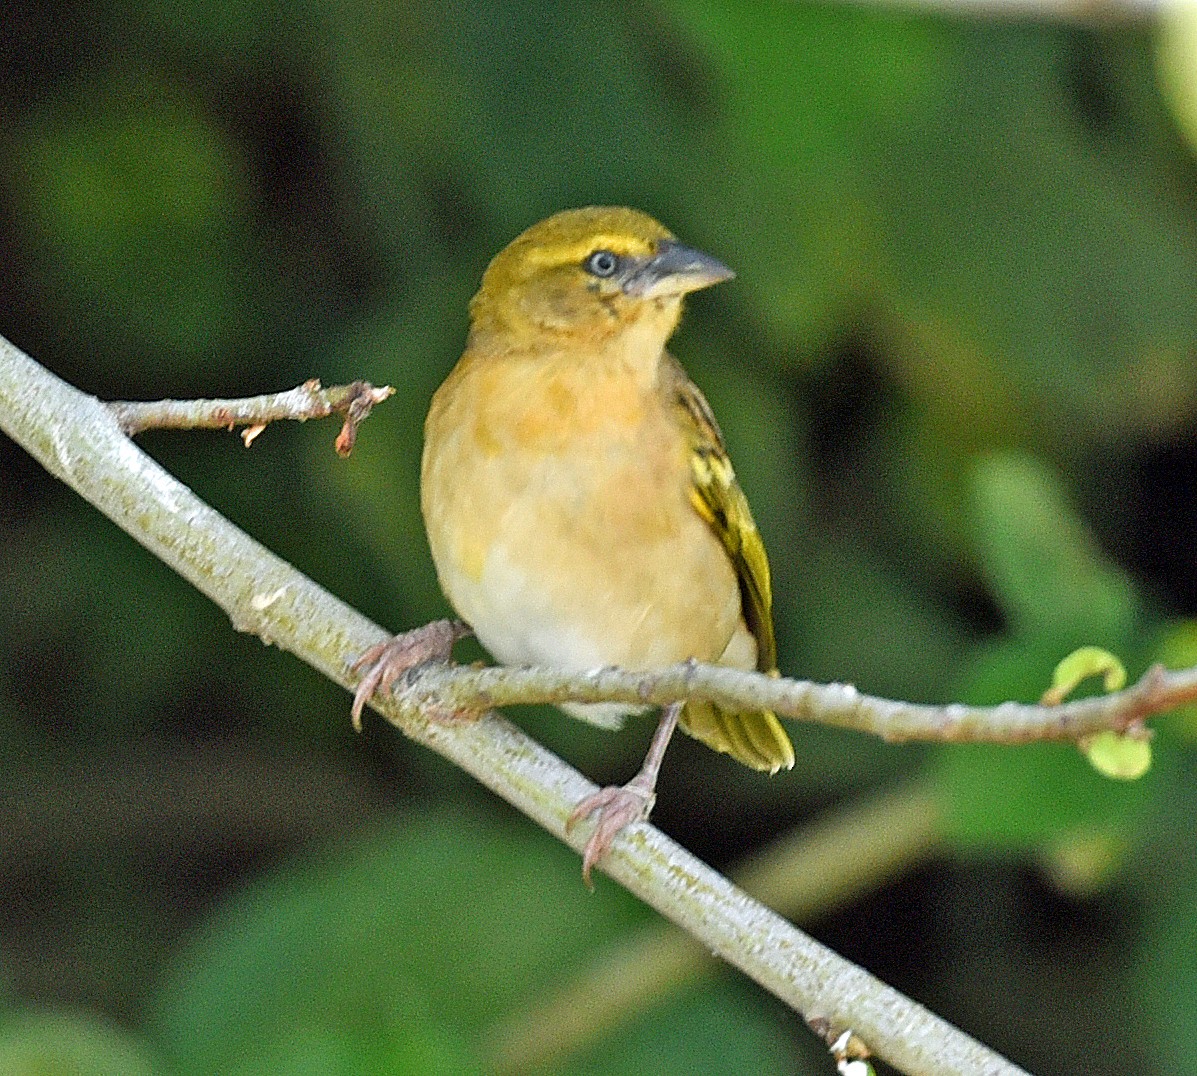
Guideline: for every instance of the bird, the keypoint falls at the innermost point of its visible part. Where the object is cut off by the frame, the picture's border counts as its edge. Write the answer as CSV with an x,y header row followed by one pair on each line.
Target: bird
x,y
578,498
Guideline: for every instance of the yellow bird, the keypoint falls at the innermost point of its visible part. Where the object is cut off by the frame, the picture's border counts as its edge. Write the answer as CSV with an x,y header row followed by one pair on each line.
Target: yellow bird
x,y
580,505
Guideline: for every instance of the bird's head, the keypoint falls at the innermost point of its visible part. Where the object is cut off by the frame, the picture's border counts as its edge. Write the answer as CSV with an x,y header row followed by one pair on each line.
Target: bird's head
x,y
591,272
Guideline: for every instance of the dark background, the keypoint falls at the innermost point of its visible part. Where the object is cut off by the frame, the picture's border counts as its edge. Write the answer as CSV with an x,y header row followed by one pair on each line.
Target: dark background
x,y
956,372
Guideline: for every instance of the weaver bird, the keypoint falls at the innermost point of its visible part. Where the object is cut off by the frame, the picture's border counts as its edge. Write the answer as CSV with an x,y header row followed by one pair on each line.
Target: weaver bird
x,y
580,505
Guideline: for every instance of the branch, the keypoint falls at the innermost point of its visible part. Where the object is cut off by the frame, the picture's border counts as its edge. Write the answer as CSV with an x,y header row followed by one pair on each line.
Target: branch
x,y
806,873
460,687
79,440
309,400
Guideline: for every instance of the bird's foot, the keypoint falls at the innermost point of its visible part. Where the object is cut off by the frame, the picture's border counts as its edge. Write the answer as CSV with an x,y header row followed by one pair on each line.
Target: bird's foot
x,y
617,806
387,662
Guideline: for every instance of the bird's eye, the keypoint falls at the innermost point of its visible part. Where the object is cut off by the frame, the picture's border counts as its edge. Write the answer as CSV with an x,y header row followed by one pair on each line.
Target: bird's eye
x,y
602,263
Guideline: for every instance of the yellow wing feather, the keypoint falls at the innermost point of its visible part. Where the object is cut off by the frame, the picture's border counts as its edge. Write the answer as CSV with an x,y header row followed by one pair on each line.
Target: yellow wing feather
x,y
755,739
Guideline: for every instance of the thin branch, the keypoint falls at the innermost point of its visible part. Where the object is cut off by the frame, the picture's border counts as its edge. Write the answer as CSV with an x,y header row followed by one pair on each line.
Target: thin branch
x,y
79,440
841,705
309,400
811,871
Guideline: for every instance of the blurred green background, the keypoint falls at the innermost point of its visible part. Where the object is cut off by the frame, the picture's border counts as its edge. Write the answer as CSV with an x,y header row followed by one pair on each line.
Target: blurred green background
x,y
957,372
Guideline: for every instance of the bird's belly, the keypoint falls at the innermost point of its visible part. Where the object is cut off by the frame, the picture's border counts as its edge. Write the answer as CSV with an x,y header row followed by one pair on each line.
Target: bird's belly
x,y
520,622
577,562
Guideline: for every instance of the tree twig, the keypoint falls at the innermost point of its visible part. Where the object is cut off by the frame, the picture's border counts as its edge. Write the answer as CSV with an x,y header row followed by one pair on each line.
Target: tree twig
x,y
841,705
309,400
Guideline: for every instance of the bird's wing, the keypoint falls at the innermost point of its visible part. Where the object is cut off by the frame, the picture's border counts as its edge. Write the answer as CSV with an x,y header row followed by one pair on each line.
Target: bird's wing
x,y
756,739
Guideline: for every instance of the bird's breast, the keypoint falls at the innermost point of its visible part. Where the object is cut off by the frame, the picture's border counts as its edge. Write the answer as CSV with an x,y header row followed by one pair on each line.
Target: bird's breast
x,y
556,500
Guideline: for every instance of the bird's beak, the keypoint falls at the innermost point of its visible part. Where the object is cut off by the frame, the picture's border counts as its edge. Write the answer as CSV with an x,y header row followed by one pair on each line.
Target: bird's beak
x,y
675,270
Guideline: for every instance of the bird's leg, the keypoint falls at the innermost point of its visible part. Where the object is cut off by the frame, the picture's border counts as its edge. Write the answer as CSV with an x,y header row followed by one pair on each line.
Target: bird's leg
x,y
619,805
388,661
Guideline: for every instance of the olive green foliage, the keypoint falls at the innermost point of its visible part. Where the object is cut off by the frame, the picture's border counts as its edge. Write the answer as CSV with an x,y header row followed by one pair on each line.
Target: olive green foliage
x,y
311,963
956,372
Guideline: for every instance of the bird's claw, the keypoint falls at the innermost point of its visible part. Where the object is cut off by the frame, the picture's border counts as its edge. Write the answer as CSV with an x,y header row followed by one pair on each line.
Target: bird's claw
x,y
388,661
617,806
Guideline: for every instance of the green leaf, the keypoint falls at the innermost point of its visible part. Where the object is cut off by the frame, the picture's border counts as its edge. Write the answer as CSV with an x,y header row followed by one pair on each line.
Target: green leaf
x,y
1025,799
689,1036
47,1043
1016,799
804,97
1052,245
1166,961
1082,861
1176,648
1123,758
1176,56
138,198
398,954
390,942
1045,568
1082,663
